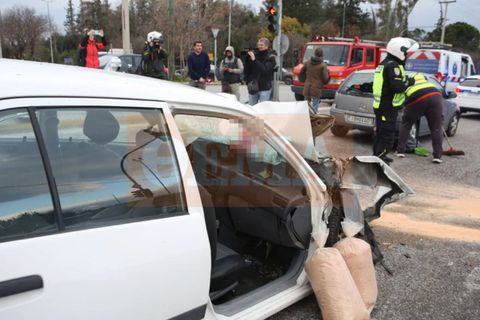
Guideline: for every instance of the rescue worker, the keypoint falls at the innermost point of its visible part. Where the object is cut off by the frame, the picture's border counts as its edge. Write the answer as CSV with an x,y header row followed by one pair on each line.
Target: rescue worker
x,y
389,85
154,58
422,99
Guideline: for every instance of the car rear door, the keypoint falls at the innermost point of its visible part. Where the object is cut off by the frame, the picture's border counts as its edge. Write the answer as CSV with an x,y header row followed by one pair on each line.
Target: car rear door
x,y
98,218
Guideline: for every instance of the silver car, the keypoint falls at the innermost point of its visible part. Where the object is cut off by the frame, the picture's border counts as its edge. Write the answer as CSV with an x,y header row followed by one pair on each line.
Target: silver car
x,y
352,107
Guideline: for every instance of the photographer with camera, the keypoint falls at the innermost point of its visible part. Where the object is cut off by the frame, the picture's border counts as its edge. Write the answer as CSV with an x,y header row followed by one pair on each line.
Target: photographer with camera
x,y
154,58
92,41
259,68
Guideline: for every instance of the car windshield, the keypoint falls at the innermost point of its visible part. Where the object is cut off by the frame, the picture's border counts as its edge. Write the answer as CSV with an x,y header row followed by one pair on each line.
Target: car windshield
x,y
333,55
358,84
471,83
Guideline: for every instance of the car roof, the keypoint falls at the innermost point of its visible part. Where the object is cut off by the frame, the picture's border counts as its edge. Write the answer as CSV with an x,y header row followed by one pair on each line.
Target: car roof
x,y
24,79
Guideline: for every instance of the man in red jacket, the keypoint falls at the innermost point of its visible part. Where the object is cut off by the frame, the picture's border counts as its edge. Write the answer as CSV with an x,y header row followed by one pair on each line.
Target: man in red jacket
x,y
91,47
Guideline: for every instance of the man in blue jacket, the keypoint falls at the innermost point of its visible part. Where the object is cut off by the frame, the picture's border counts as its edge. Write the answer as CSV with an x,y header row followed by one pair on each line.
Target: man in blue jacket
x,y
198,66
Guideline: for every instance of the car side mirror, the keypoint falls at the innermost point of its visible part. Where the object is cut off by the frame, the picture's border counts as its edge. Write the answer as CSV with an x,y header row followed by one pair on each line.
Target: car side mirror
x,y
451,95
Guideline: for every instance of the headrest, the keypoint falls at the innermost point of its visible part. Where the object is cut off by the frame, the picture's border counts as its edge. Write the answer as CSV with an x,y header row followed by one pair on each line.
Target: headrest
x,y
101,126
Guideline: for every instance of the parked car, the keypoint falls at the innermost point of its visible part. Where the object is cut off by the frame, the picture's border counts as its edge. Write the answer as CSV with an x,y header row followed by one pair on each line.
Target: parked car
x,y
287,76
124,197
129,62
352,107
468,94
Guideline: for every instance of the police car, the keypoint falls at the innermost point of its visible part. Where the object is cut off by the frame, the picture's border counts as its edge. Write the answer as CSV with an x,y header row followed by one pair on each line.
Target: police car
x,y
124,197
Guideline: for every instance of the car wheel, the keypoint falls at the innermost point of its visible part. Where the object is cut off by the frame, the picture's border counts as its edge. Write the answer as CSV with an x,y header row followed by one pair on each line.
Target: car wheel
x,y
453,125
339,131
299,97
288,81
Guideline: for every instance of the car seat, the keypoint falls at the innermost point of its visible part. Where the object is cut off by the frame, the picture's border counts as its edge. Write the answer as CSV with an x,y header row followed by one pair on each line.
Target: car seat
x,y
227,264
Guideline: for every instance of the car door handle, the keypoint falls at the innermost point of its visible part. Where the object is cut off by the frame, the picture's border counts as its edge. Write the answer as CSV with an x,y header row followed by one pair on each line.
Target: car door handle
x,y
19,285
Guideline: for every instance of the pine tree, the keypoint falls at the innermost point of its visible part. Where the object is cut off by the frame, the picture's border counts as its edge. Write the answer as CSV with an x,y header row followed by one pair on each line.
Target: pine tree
x,y
70,23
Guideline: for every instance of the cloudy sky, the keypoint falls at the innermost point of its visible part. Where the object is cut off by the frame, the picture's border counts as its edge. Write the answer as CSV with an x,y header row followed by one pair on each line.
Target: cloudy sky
x,y
425,14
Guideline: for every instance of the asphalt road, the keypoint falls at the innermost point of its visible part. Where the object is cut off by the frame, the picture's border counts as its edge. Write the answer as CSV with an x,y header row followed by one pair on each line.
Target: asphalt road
x,y
431,241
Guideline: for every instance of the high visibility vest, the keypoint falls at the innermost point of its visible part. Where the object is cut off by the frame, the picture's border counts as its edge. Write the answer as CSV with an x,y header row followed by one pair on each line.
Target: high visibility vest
x,y
420,83
398,98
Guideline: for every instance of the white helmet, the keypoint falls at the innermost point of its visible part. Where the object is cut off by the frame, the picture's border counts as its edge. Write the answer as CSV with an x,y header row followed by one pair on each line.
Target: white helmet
x,y
154,36
399,47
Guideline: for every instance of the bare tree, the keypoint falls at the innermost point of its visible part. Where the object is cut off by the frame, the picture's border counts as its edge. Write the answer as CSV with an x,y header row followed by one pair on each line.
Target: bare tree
x,y
22,29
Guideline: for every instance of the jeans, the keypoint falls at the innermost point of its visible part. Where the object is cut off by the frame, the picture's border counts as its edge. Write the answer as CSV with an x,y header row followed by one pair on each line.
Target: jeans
x,y
314,104
261,96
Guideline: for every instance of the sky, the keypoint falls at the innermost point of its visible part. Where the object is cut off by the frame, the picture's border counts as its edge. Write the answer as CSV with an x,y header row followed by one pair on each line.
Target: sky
x,y
425,13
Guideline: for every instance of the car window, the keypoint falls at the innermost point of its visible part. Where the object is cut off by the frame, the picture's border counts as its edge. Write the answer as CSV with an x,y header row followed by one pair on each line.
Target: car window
x,y
437,84
239,145
357,56
358,84
112,165
26,203
471,83
370,55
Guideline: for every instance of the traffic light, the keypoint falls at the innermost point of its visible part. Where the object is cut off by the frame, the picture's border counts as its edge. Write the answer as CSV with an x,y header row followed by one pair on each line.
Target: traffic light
x,y
272,15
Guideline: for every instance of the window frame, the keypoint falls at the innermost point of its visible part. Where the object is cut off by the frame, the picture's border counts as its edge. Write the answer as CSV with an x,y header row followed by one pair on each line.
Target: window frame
x,y
31,105
361,62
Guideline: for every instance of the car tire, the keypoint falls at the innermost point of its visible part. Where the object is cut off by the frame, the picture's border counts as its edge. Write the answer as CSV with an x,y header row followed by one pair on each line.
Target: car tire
x,y
453,125
288,81
339,131
299,97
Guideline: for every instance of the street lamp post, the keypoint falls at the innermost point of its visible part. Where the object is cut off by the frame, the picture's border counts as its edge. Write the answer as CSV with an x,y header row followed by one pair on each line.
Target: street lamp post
x,y
50,27
215,34
230,23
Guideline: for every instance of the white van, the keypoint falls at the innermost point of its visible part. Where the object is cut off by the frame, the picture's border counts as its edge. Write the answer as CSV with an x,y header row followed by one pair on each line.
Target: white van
x,y
446,65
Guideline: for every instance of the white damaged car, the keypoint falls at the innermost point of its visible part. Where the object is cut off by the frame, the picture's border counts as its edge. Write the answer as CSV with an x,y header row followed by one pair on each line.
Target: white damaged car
x,y
124,197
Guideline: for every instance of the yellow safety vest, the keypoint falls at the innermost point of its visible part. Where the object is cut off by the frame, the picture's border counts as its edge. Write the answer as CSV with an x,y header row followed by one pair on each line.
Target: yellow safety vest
x,y
420,83
398,98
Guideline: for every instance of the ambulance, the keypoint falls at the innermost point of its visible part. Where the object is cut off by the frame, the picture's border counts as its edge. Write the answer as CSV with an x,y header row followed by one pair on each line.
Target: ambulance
x,y
447,66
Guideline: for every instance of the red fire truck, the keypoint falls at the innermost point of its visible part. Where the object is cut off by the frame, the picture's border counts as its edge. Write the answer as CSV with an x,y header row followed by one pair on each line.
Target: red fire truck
x,y
342,55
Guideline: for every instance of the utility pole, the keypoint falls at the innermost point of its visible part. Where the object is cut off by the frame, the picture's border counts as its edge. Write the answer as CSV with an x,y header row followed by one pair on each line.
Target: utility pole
x,y
171,39
1,54
278,74
50,27
126,27
343,20
230,23
444,18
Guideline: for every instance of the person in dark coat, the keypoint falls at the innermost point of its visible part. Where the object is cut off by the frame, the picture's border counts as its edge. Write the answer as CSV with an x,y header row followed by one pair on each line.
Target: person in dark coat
x,y
316,75
154,58
259,69
198,66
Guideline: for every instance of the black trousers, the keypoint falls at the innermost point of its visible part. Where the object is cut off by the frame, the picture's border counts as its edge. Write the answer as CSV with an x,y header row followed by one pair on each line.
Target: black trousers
x,y
431,108
385,123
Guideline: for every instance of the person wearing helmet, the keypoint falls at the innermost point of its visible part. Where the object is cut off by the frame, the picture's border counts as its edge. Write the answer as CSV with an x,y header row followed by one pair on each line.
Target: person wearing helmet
x,y
422,99
389,85
154,58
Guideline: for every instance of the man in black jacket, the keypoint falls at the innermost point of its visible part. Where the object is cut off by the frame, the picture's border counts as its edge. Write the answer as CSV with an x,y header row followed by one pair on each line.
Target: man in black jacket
x,y
259,69
389,85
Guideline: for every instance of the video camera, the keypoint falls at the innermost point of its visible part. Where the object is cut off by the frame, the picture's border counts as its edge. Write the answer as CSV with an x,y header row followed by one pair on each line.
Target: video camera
x,y
244,53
